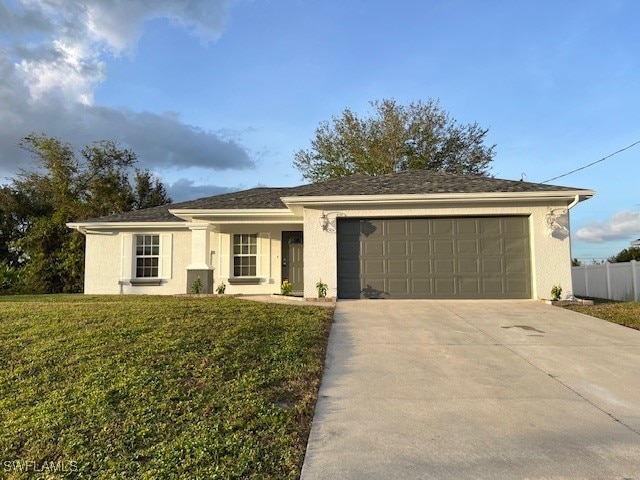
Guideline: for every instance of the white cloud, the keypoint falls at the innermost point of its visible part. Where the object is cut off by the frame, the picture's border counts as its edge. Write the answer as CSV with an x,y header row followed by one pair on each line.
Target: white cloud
x,y
52,57
81,31
621,226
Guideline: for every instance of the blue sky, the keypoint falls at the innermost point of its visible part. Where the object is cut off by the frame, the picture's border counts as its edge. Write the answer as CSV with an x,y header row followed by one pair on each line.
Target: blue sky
x,y
218,94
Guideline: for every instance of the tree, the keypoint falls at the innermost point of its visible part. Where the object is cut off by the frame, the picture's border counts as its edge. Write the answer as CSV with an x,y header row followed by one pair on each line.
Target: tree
x,y
626,255
396,137
575,262
66,186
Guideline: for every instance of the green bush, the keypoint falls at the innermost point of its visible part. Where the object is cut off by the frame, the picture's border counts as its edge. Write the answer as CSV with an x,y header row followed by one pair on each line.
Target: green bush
x,y
9,277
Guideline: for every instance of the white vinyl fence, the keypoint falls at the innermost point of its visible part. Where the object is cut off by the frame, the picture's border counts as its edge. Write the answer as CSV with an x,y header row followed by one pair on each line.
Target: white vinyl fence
x,y
615,281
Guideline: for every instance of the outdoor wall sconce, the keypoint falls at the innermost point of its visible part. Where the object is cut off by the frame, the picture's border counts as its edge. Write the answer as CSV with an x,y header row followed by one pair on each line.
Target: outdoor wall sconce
x,y
328,221
557,222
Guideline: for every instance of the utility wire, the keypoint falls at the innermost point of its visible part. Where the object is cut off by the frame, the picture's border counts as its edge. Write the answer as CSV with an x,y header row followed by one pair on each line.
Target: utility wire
x,y
593,163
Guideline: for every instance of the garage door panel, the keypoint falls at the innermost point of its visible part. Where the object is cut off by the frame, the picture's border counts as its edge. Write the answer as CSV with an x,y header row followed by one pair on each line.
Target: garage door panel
x,y
349,249
468,266
373,286
443,266
516,246
419,266
398,286
442,226
420,286
491,227
373,247
467,247
396,247
492,285
516,226
492,265
373,267
419,247
444,286
518,286
516,265
491,246
467,226
398,267
371,228
469,286
466,257
443,247
396,227
418,227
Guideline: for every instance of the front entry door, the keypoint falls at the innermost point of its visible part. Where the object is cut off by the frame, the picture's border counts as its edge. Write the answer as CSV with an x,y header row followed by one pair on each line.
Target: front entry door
x,y
293,260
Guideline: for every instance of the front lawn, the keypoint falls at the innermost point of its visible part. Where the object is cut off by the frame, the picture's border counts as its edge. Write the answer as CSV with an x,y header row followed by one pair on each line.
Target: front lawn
x,y
157,387
623,313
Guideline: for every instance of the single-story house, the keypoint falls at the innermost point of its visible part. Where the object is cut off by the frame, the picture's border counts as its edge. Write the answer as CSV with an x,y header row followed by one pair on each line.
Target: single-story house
x,y
413,234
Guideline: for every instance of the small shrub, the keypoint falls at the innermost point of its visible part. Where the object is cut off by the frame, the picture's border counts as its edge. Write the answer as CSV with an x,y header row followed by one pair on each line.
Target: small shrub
x,y
221,288
196,286
9,277
556,292
322,289
286,288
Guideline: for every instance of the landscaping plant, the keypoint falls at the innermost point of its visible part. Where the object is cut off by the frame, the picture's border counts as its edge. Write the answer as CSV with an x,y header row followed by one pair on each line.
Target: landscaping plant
x,y
322,289
286,288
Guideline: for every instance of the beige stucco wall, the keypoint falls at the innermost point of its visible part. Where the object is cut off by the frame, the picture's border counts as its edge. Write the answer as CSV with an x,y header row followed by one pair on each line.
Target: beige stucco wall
x,y
269,268
103,264
550,256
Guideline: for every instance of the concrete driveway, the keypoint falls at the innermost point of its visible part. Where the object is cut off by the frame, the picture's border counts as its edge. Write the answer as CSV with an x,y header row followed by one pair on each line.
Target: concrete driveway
x,y
476,389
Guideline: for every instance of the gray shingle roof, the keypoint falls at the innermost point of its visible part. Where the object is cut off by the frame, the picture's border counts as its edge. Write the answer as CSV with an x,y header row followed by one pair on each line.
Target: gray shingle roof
x,y
419,182
407,182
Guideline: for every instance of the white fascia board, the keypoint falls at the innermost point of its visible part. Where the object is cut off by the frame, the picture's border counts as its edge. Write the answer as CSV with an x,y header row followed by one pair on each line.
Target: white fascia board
x,y
214,215
89,227
563,195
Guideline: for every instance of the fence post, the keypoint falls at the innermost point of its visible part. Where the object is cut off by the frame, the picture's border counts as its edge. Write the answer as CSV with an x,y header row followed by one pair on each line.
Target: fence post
x,y
608,281
586,280
634,281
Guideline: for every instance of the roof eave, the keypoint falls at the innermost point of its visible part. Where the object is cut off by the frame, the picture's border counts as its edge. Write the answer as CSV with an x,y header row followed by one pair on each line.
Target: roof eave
x,y
557,195
220,213
91,227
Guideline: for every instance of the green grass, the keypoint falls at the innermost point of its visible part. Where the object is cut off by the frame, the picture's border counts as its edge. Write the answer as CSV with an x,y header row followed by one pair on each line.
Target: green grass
x,y
158,387
622,313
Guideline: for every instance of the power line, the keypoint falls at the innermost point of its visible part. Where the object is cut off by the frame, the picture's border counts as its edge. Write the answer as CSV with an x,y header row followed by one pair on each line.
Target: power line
x,y
593,163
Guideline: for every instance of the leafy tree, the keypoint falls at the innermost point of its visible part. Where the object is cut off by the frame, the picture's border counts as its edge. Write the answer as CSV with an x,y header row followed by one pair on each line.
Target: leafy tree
x,y
149,191
67,186
575,262
626,255
396,137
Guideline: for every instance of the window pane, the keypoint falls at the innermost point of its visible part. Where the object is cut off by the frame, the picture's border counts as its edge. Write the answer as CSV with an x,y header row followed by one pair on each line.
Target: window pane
x,y
147,255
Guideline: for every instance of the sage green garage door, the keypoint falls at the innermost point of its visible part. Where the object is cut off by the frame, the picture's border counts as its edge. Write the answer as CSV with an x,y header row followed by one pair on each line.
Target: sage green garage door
x,y
460,257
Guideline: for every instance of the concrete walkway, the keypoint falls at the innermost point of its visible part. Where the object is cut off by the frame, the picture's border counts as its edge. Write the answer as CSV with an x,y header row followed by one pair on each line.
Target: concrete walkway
x,y
476,389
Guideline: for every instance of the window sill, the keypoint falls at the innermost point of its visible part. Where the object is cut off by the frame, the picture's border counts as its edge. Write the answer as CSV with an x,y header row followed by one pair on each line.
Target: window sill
x,y
244,280
145,281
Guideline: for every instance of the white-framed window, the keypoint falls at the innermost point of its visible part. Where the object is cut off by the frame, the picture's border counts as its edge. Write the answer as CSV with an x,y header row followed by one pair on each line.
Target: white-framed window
x,y
147,256
245,255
